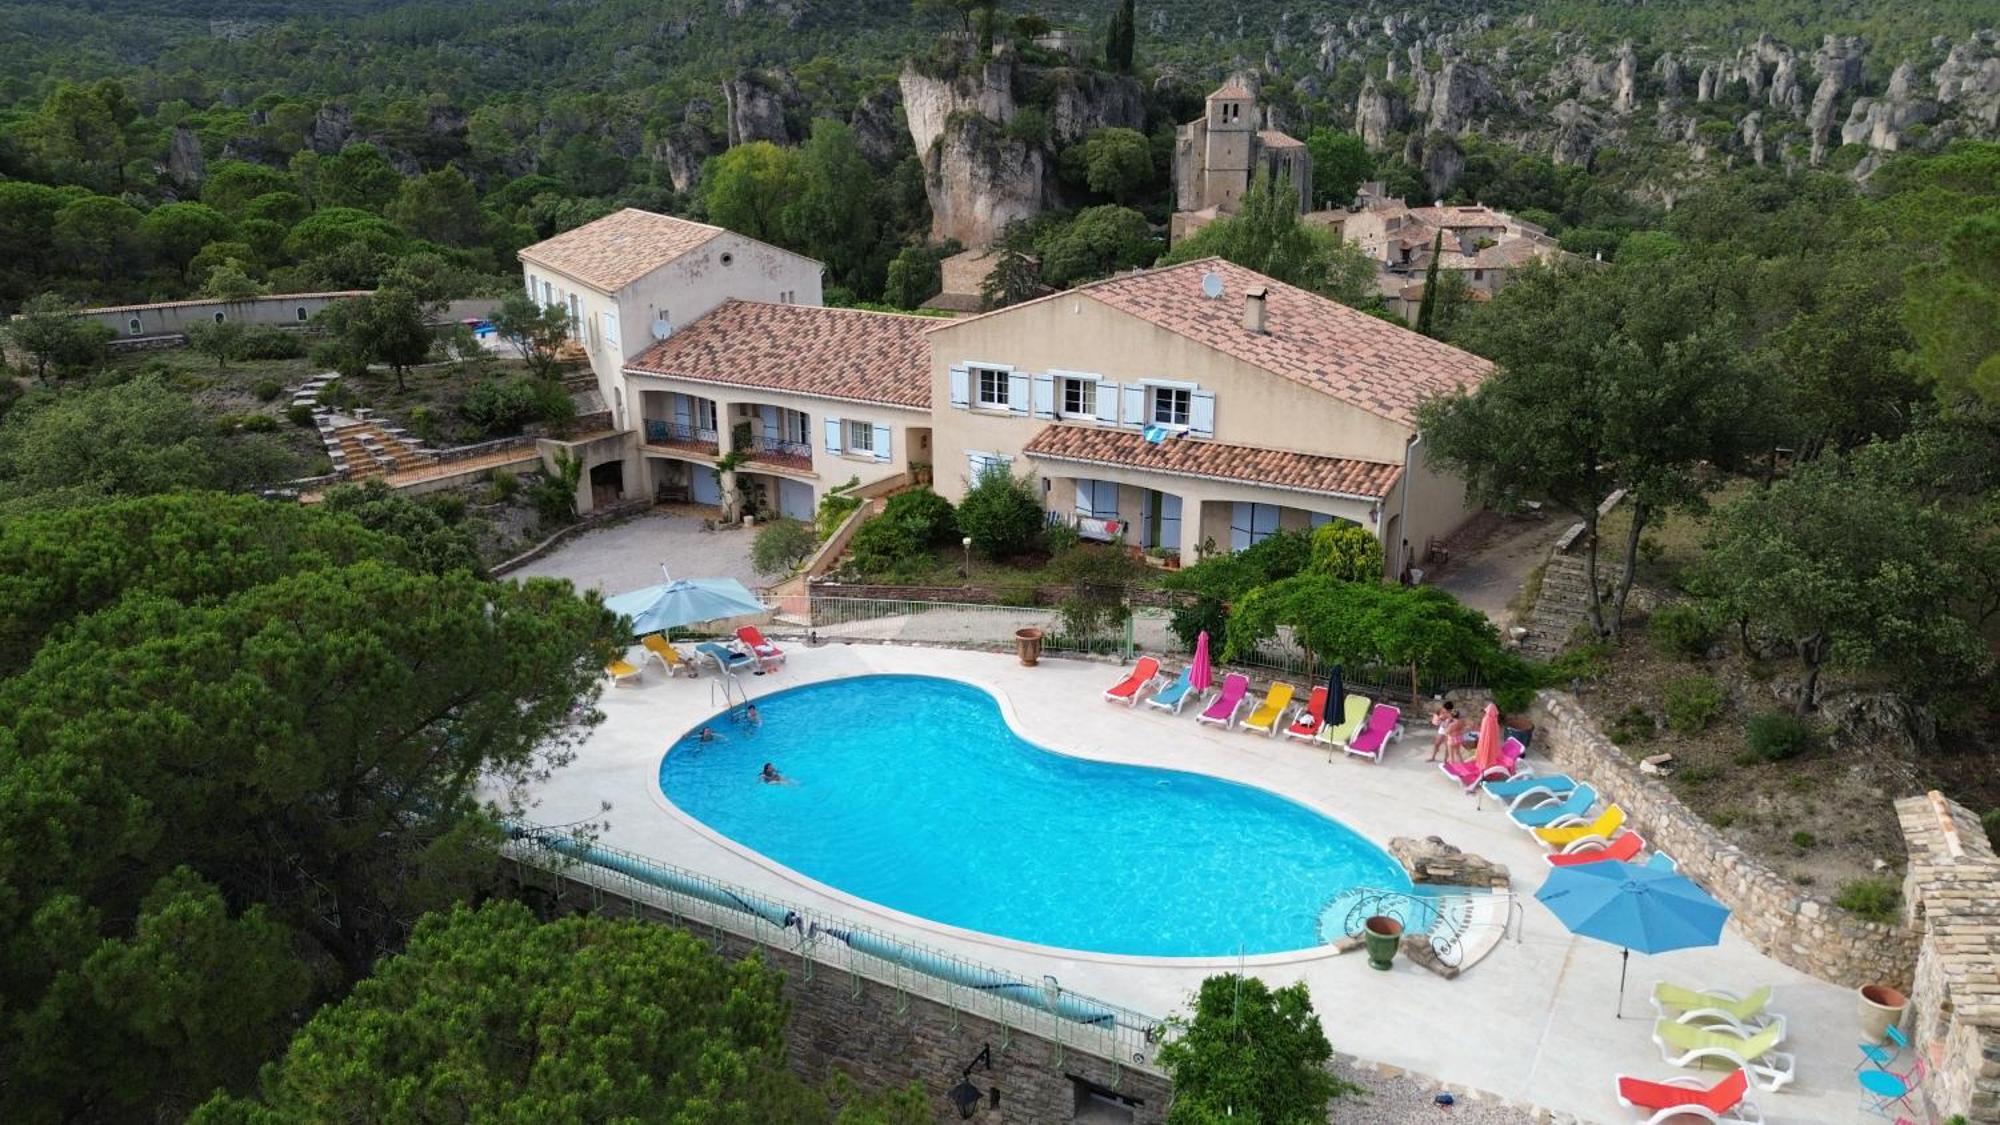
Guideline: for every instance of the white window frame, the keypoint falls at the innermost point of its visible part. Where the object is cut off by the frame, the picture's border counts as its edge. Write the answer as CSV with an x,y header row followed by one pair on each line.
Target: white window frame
x,y
860,436
1086,386
137,328
703,412
801,432
1156,397
1000,377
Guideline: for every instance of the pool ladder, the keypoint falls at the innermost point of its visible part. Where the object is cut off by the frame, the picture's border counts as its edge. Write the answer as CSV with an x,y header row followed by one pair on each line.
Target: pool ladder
x,y
734,697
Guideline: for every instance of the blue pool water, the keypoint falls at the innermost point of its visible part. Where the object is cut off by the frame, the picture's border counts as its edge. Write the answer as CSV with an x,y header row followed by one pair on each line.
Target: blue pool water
x,y
914,793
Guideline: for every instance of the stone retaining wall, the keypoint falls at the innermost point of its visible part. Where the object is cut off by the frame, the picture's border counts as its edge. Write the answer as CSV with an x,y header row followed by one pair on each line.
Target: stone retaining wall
x,y
884,1037
1782,919
984,595
1952,893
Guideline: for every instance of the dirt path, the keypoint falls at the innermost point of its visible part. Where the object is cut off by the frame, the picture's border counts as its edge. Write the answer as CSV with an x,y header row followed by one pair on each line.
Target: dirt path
x,y
1493,557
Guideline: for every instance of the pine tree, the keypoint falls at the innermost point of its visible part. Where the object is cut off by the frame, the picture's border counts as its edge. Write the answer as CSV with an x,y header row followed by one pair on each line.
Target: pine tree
x,y
1428,309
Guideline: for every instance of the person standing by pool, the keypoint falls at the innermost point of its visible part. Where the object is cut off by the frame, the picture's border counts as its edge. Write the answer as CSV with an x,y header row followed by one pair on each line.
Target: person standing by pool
x,y
1450,731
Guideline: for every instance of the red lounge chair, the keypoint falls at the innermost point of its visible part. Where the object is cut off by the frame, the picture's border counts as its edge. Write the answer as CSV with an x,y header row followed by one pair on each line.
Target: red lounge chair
x,y
1624,847
1308,722
1127,690
1726,1103
766,653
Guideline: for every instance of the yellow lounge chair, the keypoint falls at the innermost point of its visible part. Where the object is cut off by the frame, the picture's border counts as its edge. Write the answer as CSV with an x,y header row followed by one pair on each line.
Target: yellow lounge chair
x,y
1271,712
1603,828
621,673
670,658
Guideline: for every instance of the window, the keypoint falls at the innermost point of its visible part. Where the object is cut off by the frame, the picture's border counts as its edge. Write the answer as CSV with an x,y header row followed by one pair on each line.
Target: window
x,y
1171,405
610,319
135,326
218,318
534,286
575,316
793,425
1479,275
860,436
992,387
1251,524
300,312
704,414
548,295
1097,499
1079,398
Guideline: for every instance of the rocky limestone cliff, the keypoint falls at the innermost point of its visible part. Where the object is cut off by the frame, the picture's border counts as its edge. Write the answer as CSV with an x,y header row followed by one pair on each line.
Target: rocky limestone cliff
x,y
1380,111
979,179
185,165
877,133
758,106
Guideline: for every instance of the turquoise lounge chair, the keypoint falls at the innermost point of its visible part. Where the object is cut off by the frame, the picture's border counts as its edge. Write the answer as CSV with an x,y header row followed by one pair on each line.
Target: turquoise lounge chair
x,y
726,660
1556,784
1171,697
1577,804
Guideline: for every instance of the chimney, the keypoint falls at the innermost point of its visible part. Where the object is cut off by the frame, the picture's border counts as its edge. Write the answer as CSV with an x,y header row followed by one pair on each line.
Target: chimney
x,y
1253,309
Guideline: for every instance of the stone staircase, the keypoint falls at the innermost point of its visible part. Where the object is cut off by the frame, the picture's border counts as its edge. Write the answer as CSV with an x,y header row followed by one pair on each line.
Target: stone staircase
x,y
1563,604
358,444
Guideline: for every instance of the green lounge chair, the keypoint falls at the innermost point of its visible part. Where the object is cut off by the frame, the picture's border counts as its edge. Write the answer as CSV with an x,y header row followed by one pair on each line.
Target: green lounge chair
x,y
1691,1044
1712,1006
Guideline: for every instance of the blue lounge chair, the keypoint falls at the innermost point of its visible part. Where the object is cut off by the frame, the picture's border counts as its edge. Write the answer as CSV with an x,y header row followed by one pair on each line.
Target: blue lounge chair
x,y
725,659
1556,784
1171,697
1575,805
1662,861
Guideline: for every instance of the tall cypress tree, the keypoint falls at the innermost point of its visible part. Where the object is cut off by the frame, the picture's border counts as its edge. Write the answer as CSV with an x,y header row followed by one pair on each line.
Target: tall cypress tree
x,y
1118,42
1428,309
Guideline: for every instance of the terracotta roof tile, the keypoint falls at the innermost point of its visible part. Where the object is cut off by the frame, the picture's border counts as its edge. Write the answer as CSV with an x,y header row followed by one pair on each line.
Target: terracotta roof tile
x,y
620,248
1193,457
1271,138
1233,88
843,354
1318,343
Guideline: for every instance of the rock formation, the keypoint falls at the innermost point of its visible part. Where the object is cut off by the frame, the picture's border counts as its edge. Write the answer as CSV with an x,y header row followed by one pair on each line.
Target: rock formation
x,y
876,132
1705,85
1379,112
756,105
1576,138
1461,90
979,179
1625,79
1668,70
1443,164
332,129
1750,135
185,166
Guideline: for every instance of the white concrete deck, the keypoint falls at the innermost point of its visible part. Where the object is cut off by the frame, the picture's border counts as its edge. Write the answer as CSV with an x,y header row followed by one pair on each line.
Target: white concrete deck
x,y
1532,1022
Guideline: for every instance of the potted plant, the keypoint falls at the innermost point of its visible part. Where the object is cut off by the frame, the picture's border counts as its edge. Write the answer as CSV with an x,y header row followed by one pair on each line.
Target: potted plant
x,y
1382,934
1880,1007
1028,645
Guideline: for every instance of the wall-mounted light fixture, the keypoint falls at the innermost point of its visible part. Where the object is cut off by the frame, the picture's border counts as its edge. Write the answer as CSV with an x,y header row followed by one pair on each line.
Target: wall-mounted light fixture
x,y
965,1097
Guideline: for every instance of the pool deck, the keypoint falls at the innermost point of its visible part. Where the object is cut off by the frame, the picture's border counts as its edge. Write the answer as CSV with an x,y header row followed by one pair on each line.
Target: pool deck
x,y
1531,1023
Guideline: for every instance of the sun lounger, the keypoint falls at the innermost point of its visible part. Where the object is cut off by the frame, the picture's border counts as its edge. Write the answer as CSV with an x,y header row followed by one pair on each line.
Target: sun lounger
x,y
1575,803
670,658
1171,697
724,659
1661,861
1222,712
1527,790
767,654
1126,691
1307,722
1603,827
1725,1103
1692,1044
1716,1006
1270,713
622,673
1385,724
1354,713
1468,774
1624,847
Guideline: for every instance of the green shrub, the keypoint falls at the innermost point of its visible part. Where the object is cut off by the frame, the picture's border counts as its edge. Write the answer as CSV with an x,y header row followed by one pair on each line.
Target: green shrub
x,y
781,545
1346,550
1634,724
1804,840
1202,615
257,424
1584,662
1251,1053
928,516
1060,539
268,342
1683,631
1990,820
301,414
835,507
501,407
450,506
1692,703
1776,736
1874,899
267,389
1002,514
424,423
505,484
1514,699
885,548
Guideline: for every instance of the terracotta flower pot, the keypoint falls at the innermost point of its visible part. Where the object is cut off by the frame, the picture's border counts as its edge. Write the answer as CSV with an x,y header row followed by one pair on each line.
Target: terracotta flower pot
x,y
1382,934
1880,1007
1028,644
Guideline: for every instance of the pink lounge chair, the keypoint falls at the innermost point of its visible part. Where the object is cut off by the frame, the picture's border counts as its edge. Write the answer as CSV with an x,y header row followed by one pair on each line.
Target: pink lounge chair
x,y
1469,776
1222,712
1624,847
1726,1101
1127,691
1384,723
767,654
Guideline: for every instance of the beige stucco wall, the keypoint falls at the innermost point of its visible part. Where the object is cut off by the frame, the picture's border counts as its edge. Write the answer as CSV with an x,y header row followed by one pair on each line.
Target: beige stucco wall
x,y
1206,505
283,310
680,292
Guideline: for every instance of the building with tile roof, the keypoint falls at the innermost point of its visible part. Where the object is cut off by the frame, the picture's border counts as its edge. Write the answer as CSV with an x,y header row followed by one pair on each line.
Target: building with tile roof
x,y
1217,156
1199,407
1483,246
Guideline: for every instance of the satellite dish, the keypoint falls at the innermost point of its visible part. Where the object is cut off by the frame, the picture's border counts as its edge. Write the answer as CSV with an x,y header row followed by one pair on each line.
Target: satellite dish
x,y
1211,285
661,329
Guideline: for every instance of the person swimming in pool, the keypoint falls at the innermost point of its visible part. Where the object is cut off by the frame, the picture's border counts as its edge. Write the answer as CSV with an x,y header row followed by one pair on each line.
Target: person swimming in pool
x,y
771,776
751,716
707,734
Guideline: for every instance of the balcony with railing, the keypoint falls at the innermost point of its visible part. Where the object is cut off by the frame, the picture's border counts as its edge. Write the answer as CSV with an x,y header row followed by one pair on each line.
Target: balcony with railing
x,y
681,435
795,455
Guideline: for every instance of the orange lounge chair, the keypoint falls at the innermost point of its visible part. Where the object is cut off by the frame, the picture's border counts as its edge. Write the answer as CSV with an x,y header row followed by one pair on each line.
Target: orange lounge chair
x,y
1127,690
1624,847
1726,1103
767,654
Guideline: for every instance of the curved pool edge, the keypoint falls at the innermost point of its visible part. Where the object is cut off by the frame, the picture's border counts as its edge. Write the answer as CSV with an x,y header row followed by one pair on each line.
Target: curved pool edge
x,y
892,916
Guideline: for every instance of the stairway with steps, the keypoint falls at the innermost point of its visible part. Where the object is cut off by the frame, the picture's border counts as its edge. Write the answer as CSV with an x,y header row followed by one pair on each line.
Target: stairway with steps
x,y
358,444
1563,604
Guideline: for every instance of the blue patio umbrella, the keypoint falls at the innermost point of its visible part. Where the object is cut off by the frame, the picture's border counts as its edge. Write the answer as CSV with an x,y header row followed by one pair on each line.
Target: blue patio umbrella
x,y
684,601
1633,907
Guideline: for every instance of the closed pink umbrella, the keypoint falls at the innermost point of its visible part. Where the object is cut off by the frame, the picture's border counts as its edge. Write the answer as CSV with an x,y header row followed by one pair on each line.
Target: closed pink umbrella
x,y
1200,676
1489,738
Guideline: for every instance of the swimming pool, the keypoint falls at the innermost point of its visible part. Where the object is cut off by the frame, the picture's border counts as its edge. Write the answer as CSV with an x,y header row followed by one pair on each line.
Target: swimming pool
x,y
913,792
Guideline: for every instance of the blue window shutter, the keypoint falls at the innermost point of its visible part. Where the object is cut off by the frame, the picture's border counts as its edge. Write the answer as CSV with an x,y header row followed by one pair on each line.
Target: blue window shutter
x,y
975,465
833,435
881,442
683,411
1017,391
961,391
1107,403
1135,405
1045,396
1201,414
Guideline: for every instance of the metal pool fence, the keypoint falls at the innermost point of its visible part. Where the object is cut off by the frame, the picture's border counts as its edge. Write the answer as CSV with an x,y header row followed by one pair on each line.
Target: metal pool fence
x,y
981,626
1070,1020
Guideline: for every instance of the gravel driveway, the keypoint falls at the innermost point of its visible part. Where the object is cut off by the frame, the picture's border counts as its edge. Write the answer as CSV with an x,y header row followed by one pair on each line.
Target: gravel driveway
x,y
629,555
